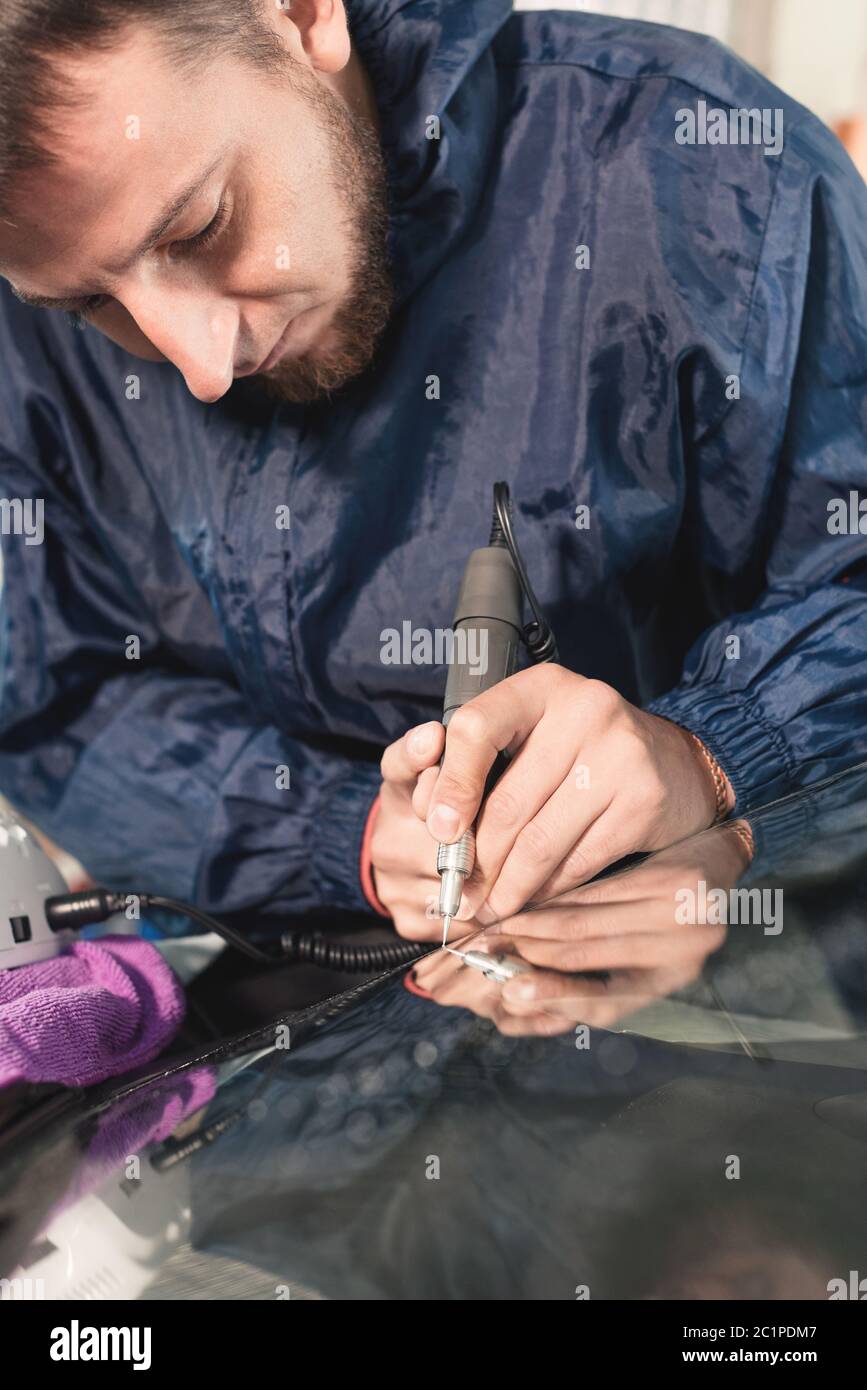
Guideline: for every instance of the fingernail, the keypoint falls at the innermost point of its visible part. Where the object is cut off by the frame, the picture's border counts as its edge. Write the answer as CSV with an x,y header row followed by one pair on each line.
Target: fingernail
x,y
419,739
486,915
465,908
521,991
443,822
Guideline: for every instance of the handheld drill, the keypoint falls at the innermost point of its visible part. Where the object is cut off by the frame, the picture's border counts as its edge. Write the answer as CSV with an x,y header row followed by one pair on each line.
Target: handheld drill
x,y
489,611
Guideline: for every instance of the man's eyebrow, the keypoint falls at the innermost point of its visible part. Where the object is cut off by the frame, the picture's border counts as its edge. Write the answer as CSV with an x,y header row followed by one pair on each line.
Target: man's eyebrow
x,y
167,218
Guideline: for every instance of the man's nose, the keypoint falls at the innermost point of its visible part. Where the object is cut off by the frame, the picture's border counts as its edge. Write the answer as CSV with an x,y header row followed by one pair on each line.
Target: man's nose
x,y
195,330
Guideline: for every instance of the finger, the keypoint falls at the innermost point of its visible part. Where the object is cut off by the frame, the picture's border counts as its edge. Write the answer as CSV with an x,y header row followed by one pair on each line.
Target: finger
x,y
655,880
413,926
607,840
468,990
436,969
442,968
400,845
419,748
625,885
631,991
635,951
658,878
425,783
540,1025
574,922
548,992
541,771
500,718
410,910
579,1000
556,845
638,882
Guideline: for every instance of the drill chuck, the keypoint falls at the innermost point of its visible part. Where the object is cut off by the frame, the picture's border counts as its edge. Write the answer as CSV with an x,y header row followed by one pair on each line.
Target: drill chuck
x,y
454,863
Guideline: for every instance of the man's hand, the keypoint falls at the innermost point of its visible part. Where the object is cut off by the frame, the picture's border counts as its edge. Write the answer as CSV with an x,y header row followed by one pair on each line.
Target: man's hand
x,y
591,779
602,951
402,854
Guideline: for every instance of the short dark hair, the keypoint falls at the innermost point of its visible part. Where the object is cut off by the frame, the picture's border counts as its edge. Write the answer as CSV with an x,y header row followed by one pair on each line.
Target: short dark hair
x,y
36,35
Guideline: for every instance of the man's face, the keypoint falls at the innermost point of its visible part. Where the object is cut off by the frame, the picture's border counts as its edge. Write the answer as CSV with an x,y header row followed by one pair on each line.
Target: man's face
x,y
276,265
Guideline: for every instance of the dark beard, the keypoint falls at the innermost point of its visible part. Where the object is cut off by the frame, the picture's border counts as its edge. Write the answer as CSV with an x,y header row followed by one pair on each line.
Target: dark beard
x,y
355,331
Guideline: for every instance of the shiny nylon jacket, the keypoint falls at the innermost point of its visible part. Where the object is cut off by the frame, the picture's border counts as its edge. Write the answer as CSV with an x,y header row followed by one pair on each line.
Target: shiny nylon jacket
x,y
608,387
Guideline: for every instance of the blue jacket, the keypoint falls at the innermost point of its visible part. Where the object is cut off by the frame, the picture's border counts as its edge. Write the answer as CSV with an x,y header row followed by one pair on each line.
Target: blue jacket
x,y
610,387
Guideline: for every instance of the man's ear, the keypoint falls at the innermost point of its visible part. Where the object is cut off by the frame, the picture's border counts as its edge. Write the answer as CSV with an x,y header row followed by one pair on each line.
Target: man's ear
x,y
321,31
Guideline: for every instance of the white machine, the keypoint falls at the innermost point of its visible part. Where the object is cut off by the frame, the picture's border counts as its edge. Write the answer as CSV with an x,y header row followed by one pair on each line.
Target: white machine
x,y
27,879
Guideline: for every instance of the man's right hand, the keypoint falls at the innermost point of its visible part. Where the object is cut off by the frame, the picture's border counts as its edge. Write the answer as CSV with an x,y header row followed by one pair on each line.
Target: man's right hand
x,y
402,851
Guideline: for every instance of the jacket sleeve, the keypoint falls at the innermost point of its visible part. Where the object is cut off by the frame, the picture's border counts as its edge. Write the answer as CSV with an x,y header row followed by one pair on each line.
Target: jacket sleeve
x,y
94,746
779,692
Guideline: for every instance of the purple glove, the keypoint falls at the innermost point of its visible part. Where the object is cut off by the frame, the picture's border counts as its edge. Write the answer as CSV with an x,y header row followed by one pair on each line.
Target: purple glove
x,y
99,1009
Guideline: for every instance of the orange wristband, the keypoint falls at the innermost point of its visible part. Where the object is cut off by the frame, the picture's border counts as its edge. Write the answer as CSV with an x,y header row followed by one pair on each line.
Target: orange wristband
x,y
744,833
720,782
365,868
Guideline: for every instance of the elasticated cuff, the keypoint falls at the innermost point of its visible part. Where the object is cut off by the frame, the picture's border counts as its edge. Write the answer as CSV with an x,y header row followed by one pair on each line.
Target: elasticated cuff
x,y
338,832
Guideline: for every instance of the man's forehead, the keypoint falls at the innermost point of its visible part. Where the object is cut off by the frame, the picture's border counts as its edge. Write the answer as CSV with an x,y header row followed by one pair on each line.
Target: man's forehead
x,y
124,161
105,94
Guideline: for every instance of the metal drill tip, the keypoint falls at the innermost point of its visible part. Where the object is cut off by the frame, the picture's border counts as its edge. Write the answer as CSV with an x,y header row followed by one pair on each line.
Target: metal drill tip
x,y
447,921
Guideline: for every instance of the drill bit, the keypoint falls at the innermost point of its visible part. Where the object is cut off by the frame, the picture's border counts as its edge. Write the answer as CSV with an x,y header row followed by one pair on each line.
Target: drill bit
x,y
447,921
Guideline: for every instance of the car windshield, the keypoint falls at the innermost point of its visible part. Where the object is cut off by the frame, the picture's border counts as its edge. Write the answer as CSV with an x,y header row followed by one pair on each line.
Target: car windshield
x,y
405,1137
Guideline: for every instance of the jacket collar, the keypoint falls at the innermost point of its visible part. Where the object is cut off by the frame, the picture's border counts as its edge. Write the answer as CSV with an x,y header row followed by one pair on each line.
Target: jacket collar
x,y
430,58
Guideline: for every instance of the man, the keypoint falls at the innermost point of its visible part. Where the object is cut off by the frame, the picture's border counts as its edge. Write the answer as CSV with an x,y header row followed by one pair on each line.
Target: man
x,y
440,244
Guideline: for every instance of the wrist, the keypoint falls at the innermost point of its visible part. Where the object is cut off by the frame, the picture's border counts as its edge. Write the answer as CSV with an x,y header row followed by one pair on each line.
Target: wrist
x,y
718,793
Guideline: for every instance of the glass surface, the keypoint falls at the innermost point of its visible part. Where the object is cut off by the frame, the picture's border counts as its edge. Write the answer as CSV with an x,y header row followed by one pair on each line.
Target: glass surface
x,y
702,1138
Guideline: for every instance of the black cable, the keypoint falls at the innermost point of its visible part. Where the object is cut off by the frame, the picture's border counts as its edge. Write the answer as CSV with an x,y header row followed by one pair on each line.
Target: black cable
x,y
206,920
72,911
316,949
538,634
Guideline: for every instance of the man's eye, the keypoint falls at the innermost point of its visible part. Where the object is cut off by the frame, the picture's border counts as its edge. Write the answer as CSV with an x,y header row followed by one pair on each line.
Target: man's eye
x,y
205,238
79,317
193,245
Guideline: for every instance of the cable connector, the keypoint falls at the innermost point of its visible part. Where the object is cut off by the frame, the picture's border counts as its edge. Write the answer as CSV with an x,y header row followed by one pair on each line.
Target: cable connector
x,y
72,911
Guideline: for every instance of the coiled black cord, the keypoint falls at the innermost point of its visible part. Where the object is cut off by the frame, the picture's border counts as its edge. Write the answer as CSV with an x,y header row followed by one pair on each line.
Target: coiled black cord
x,y
316,949
72,911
